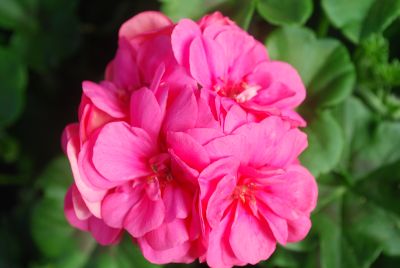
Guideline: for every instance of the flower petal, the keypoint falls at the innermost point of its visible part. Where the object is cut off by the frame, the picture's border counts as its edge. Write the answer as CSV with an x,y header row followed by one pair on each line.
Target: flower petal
x,y
182,112
182,36
70,213
104,234
178,254
143,23
250,242
188,150
146,112
177,203
168,235
145,216
116,205
299,228
206,61
121,152
220,199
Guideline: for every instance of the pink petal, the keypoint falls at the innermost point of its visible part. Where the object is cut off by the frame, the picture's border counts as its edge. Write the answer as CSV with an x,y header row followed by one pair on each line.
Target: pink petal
x,y
91,120
145,216
230,145
168,235
216,18
278,205
104,234
188,150
278,225
181,171
177,203
116,205
178,254
219,252
287,86
234,119
299,228
220,200
206,61
80,208
182,36
298,187
240,51
90,176
145,22
150,59
204,135
70,213
289,148
182,112
123,70
250,242
71,132
294,118
216,171
146,112
121,152
282,144
205,118
88,191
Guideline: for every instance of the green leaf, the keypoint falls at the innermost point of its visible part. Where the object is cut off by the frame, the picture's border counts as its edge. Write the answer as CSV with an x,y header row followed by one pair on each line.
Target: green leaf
x,y
372,221
325,139
55,38
124,255
355,120
357,226
9,148
13,77
60,244
178,9
285,12
245,12
323,64
359,19
382,187
382,148
339,248
18,14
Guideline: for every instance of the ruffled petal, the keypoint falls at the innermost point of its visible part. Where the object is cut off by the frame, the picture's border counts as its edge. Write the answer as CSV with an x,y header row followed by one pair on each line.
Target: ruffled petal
x,y
145,216
121,152
144,23
250,242
188,150
168,235
146,112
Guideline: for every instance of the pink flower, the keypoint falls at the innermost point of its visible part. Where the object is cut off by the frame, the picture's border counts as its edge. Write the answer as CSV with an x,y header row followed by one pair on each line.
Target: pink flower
x,y
209,172
225,60
140,174
252,198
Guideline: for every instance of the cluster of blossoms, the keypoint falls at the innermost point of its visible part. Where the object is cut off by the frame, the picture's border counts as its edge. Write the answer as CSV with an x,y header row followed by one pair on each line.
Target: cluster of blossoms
x,y
191,145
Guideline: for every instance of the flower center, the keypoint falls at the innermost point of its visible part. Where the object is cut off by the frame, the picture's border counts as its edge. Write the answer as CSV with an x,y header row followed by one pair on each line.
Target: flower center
x,y
241,92
159,164
244,193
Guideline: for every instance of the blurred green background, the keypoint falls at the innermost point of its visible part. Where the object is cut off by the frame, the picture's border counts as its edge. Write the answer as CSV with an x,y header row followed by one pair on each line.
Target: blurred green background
x,y
346,52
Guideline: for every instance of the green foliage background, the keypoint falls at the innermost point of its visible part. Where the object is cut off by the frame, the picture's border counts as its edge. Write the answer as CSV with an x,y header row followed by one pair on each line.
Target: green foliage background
x,y
346,52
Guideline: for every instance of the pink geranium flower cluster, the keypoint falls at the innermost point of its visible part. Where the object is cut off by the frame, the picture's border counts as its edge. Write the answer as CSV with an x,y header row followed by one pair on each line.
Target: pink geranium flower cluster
x,y
191,145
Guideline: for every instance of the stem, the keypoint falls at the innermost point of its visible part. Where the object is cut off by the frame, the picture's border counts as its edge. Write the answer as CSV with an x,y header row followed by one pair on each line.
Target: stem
x,y
323,26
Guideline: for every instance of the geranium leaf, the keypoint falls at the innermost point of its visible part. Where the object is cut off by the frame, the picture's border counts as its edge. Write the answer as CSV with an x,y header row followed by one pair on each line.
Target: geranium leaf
x,y
325,139
178,9
13,77
284,12
324,64
359,19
